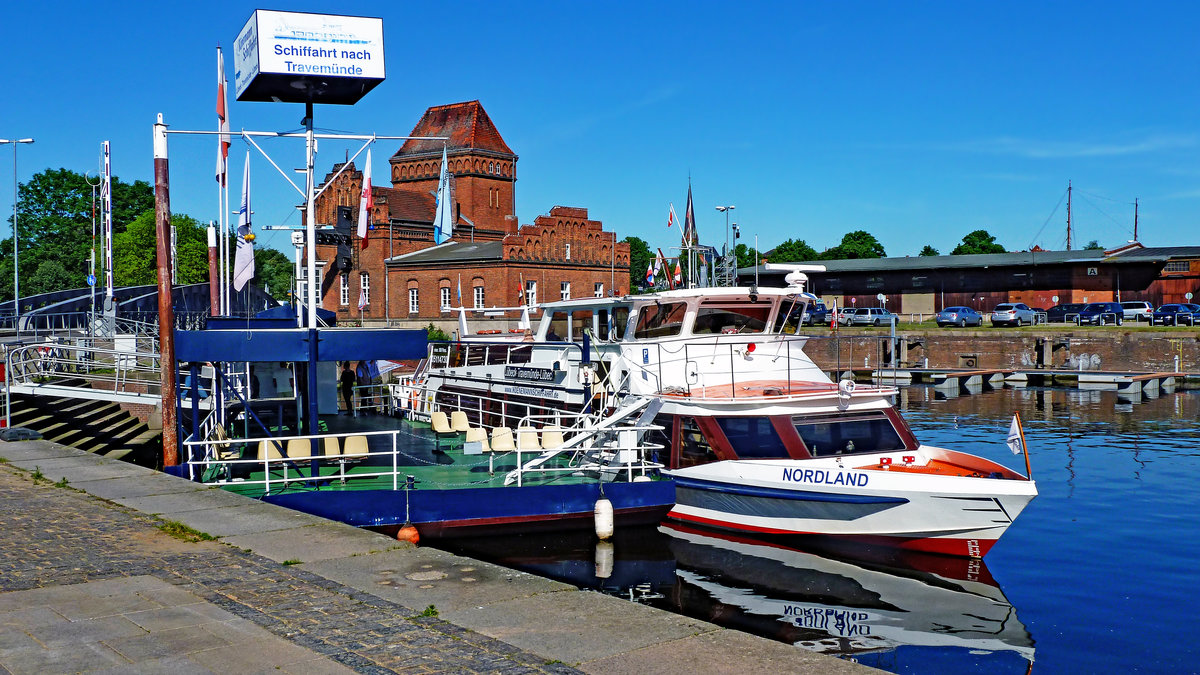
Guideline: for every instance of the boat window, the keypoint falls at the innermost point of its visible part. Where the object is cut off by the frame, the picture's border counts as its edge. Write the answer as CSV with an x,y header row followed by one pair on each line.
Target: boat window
x,y
694,448
660,320
731,319
848,435
752,437
617,317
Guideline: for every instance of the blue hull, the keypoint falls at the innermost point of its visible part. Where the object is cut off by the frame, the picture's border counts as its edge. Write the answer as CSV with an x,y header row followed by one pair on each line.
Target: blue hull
x,y
463,512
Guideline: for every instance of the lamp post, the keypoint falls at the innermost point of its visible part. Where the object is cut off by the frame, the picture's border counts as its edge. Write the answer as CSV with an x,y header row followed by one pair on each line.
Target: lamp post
x,y
728,251
16,273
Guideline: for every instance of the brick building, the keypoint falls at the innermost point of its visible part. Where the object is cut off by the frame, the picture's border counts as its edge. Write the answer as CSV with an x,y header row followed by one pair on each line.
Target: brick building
x,y
405,276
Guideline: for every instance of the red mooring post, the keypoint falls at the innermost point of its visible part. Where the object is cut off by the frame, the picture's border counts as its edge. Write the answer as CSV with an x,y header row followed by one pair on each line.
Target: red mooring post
x,y
214,283
166,313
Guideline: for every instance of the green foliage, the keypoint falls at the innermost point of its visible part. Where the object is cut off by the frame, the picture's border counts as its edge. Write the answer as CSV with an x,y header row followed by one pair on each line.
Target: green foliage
x,y
856,244
978,242
54,221
1093,245
928,251
135,251
747,256
640,258
792,250
273,270
435,334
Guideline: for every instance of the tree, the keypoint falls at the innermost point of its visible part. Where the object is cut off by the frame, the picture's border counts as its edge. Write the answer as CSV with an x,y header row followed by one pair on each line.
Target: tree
x,y
135,261
856,244
1093,245
54,210
274,271
746,256
928,251
640,258
792,250
978,242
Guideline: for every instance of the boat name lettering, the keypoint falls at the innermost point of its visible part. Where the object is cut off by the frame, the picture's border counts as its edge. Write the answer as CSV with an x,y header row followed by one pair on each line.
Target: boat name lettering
x,y
523,373
533,391
825,477
837,621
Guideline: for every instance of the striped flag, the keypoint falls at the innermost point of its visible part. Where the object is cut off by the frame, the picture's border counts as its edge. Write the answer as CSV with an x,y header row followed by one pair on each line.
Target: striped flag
x,y
364,203
222,120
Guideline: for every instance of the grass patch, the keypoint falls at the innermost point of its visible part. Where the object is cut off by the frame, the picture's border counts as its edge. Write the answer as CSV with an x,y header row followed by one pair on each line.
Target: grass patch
x,y
291,561
180,531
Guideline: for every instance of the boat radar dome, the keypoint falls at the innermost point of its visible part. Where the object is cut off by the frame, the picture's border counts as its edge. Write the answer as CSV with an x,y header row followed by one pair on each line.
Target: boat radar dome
x,y
796,279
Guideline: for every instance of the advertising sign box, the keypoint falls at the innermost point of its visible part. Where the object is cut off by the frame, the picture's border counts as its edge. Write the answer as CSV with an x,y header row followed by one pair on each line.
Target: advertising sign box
x,y
297,58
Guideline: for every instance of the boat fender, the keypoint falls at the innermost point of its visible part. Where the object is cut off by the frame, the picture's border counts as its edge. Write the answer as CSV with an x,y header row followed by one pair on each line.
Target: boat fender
x,y
604,559
603,514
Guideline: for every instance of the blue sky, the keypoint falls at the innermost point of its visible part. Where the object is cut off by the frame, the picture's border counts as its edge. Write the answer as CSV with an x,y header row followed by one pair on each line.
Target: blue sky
x,y
918,122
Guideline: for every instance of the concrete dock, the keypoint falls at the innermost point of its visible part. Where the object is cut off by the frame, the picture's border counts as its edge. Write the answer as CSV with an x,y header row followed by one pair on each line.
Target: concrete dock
x,y
97,576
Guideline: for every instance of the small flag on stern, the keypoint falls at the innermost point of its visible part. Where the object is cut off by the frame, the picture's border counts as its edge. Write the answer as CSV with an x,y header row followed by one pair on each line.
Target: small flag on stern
x,y
1014,436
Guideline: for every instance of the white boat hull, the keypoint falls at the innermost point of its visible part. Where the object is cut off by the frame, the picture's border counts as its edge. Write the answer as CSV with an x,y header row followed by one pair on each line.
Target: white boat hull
x,y
948,514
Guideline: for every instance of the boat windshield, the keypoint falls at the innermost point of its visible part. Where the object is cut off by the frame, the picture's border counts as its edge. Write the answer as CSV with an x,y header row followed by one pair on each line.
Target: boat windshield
x,y
731,319
848,435
660,320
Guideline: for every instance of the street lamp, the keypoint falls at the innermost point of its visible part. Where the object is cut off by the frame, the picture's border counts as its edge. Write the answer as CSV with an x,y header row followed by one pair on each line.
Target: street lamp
x,y
728,251
16,274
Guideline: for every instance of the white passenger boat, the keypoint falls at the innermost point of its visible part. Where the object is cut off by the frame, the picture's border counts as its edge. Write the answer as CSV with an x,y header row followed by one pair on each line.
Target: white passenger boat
x,y
757,438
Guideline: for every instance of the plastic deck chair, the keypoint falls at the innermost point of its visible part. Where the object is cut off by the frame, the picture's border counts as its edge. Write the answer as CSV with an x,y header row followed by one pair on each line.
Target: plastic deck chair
x,y
478,434
502,439
552,437
527,439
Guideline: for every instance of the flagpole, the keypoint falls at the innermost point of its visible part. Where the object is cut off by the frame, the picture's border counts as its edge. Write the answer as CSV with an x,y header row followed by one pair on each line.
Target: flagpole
x,y
1021,430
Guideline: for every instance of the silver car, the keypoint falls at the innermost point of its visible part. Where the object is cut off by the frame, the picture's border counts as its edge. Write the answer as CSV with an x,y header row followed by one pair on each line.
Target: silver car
x,y
1013,314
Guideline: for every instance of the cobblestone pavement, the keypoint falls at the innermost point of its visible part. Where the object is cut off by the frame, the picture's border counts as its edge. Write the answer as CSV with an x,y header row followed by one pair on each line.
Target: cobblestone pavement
x,y
55,536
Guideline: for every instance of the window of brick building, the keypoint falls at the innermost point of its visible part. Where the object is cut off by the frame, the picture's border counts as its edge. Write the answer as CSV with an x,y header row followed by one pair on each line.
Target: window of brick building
x,y
413,307
479,297
344,289
364,288
565,290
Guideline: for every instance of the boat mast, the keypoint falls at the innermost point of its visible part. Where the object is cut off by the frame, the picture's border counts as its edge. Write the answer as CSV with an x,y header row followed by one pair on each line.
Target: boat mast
x,y
1068,215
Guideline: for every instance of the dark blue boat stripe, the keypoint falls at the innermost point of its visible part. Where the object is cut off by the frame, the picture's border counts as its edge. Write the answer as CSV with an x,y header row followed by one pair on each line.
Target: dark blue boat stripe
x,y
777,493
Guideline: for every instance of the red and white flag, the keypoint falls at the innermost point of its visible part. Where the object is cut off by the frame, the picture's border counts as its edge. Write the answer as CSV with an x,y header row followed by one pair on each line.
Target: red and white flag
x,y
222,120
364,203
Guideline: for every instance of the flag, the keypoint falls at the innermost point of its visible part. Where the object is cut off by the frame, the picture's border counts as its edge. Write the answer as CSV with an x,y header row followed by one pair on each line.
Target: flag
x,y
222,120
443,219
689,221
678,273
1014,436
364,203
243,260
671,217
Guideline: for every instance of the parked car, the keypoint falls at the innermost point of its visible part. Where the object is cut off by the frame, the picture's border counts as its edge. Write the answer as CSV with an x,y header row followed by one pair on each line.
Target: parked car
x,y
872,316
1173,315
1012,314
1064,312
1137,310
815,314
959,316
1101,313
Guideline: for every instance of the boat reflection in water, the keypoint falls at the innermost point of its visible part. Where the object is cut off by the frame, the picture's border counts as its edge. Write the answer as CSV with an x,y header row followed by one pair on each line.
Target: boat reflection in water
x,y
842,601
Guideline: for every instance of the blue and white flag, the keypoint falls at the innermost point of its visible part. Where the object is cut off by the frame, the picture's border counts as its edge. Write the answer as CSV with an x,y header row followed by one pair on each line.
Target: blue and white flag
x,y
443,218
243,260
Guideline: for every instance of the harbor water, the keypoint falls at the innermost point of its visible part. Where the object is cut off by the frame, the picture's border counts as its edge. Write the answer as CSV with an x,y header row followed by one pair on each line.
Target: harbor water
x,y
1096,576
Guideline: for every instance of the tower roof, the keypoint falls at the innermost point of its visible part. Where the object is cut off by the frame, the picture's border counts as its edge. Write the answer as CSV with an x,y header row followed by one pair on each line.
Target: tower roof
x,y
466,124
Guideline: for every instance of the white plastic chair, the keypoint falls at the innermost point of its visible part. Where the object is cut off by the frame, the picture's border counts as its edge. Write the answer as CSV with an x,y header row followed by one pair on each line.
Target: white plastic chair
x,y
502,440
